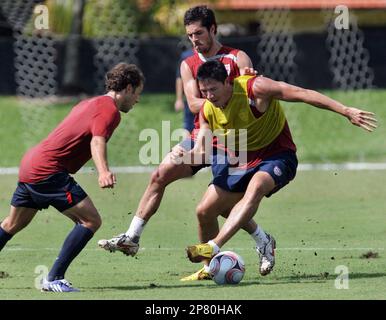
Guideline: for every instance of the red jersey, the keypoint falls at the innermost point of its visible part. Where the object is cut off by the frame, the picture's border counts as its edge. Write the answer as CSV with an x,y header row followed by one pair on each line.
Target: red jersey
x,y
226,55
67,147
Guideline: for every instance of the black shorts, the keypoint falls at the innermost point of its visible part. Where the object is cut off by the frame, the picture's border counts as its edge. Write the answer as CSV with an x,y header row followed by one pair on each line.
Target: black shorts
x,y
59,190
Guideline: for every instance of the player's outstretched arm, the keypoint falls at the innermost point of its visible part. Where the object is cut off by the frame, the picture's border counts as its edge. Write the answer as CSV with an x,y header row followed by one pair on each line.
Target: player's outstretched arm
x,y
265,88
99,155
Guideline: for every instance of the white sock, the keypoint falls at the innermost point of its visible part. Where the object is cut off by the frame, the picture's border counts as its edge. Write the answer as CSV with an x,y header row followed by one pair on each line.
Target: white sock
x,y
136,227
216,248
259,236
206,268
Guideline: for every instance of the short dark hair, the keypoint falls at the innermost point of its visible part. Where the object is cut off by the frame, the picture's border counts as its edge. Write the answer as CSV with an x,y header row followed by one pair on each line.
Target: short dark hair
x,y
213,70
203,14
123,74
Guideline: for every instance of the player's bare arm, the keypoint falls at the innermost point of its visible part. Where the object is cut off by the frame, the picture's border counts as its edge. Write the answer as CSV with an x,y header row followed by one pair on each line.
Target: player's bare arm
x,y
179,103
99,155
201,151
265,89
204,139
190,88
245,64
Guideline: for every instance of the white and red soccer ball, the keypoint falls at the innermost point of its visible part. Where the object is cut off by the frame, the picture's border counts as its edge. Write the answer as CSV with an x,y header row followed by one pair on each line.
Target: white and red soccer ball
x,y
227,267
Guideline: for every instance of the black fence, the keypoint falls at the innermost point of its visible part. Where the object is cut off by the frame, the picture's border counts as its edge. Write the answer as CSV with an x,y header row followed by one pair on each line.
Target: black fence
x,y
158,59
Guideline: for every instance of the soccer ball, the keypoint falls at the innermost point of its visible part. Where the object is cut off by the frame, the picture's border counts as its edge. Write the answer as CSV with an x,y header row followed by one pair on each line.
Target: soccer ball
x,y
227,267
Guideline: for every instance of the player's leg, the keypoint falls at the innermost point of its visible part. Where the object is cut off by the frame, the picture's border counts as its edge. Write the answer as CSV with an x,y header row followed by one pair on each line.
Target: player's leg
x,y
215,202
260,185
167,172
269,177
63,193
18,218
23,209
242,212
87,221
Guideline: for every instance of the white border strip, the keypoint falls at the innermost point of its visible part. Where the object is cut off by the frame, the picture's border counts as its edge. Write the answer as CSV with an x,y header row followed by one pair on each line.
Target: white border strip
x,y
351,166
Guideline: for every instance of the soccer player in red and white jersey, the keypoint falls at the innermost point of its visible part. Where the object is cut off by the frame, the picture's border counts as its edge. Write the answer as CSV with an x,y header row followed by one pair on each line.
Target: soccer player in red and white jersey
x,y
200,25
44,174
253,104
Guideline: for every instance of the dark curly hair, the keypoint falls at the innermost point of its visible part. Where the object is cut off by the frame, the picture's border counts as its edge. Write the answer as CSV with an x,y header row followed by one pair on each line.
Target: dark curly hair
x,y
122,75
203,14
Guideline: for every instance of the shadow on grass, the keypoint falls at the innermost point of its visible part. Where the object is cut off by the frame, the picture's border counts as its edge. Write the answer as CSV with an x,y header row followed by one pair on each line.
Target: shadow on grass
x,y
291,279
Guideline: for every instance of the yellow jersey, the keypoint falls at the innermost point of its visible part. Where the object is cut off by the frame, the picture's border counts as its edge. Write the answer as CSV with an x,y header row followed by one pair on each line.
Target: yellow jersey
x,y
237,126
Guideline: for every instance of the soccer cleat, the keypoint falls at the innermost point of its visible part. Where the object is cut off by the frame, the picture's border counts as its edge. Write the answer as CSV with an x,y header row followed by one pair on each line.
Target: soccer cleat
x,y
121,243
267,255
197,276
58,286
200,252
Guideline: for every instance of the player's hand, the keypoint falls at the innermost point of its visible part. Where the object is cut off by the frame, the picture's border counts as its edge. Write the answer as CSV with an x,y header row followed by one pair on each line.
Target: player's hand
x,y
193,157
179,105
107,179
178,154
362,119
247,71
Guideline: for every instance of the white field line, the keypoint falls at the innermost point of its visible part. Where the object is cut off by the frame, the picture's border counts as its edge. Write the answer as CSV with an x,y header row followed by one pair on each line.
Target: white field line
x,y
353,166
233,249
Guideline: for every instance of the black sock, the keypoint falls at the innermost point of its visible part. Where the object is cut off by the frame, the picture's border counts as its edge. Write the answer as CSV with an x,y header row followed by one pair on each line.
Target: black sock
x,y
72,246
4,238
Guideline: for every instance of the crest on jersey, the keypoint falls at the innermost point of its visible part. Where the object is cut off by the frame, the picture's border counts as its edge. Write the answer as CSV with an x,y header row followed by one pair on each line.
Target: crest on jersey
x,y
277,171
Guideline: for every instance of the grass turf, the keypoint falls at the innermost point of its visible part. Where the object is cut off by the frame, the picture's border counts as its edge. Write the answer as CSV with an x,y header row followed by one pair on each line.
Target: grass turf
x,y
320,135
321,221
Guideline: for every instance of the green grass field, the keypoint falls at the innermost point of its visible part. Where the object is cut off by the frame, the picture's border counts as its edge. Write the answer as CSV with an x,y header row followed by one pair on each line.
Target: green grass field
x,y
321,136
322,220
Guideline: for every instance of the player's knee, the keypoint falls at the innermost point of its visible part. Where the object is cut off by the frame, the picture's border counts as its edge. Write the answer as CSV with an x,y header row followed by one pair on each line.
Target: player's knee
x,y
254,198
97,222
160,177
7,226
203,213
13,226
93,223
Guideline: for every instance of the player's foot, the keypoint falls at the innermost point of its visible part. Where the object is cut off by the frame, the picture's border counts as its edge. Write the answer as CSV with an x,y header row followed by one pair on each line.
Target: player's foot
x,y
199,275
121,243
58,286
200,252
267,255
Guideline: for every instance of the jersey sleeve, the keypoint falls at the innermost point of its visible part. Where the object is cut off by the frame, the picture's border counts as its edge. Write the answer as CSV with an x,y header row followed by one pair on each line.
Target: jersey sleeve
x,y
250,83
105,120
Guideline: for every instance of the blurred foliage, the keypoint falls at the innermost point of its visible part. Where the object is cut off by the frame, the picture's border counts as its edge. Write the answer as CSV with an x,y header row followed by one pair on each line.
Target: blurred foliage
x,y
118,17
59,17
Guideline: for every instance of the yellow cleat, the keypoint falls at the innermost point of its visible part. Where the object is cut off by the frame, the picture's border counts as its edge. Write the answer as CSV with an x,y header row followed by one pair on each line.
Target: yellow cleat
x,y
199,252
197,276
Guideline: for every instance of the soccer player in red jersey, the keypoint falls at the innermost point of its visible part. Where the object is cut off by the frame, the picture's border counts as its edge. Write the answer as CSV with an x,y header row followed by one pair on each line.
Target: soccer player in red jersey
x,y
200,26
44,174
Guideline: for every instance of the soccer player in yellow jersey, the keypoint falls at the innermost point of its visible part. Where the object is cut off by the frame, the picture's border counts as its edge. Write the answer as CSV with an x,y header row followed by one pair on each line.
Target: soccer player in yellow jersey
x,y
248,104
